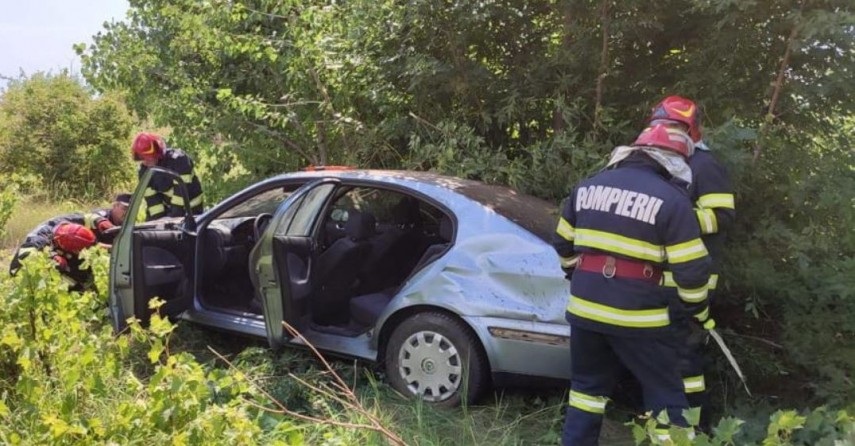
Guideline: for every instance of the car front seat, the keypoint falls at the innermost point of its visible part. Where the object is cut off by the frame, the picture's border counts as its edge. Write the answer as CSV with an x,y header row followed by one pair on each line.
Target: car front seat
x,y
337,270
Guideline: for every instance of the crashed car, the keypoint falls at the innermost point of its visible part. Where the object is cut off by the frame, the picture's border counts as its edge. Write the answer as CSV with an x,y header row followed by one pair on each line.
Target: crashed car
x,y
449,285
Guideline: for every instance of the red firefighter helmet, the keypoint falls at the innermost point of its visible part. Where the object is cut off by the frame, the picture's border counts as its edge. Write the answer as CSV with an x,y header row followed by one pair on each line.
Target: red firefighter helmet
x,y
72,237
679,109
147,145
668,138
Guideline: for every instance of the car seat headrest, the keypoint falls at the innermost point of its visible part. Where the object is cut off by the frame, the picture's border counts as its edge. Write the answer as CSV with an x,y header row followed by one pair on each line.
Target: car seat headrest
x,y
360,225
406,211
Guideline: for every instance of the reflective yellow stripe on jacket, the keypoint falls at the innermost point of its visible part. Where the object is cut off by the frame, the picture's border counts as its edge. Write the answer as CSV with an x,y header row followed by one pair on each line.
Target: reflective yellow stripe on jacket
x,y
178,200
156,210
565,230
89,220
711,201
707,220
706,210
686,251
651,318
668,280
618,244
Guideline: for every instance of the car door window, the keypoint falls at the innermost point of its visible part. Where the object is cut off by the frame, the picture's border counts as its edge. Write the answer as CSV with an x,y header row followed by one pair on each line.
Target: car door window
x,y
300,217
264,203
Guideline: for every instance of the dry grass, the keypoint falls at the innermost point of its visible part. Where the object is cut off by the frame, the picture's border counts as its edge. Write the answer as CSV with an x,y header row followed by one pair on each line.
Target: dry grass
x,y
30,212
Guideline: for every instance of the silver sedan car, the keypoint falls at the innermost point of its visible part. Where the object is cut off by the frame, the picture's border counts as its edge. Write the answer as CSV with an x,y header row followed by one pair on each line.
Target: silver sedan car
x,y
450,285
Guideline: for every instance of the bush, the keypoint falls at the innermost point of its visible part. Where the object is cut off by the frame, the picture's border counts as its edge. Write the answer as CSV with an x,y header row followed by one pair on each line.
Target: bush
x,y
66,379
792,253
8,197
820,426
55,129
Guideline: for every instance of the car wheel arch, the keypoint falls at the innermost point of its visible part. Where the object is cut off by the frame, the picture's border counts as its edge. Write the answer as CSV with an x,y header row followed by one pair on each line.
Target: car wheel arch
x,y
395,319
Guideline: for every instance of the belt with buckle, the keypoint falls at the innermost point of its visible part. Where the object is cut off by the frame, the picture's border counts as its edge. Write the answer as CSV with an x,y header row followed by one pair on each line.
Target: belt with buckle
x,y
610,266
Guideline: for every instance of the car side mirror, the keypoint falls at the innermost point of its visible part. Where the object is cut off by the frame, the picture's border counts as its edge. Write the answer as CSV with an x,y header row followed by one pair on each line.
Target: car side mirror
x,y
189,224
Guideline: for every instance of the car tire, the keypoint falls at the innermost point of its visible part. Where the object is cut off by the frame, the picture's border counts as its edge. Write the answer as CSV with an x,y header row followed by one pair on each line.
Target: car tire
x,y
437,358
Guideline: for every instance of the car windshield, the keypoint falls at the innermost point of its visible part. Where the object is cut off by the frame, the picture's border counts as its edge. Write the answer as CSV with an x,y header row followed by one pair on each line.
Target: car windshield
x,y
535,215
264,203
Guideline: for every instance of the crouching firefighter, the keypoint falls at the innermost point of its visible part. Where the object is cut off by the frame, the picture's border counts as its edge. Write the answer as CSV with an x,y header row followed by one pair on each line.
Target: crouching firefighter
x,y
620,228
64,240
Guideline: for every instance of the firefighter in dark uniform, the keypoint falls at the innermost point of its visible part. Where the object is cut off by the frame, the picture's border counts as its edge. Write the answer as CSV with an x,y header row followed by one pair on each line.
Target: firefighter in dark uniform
x,y
712,196
161,197
620,228
64,239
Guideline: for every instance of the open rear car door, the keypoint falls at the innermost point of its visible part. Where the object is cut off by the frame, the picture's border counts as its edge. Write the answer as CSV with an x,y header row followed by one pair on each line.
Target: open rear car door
x,y
282,262
152,259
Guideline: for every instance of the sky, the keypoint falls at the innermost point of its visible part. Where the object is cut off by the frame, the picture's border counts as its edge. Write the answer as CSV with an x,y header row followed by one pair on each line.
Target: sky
x,y
37,35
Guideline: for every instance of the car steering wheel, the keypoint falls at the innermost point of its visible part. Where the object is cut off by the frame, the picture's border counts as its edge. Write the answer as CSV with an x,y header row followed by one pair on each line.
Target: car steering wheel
x,y
259,224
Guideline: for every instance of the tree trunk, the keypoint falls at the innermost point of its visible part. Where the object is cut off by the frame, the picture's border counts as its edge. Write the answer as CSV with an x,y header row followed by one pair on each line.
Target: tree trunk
x,y
779,81
604,66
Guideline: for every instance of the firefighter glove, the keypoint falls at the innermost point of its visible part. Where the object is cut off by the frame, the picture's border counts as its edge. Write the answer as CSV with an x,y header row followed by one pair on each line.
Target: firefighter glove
x,y
104,225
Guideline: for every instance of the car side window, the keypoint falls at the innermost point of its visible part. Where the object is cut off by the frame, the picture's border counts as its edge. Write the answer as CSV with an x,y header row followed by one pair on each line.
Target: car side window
x,y
380,203
300,222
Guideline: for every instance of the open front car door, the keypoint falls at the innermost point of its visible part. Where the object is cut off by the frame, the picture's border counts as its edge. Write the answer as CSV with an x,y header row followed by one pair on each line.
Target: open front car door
x,y
152,259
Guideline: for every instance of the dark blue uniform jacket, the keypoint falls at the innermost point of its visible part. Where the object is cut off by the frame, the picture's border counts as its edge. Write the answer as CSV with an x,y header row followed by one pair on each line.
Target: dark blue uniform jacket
x,y
633,212
161,197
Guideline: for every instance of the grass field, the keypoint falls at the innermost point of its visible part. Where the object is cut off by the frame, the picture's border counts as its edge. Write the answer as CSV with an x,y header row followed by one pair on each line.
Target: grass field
x,y
27,214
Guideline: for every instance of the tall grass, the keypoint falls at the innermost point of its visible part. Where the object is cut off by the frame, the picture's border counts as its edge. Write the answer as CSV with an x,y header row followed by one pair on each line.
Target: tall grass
x,y
505,417
30,211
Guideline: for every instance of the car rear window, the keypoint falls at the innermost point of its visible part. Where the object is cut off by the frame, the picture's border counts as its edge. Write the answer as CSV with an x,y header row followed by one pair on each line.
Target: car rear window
x,y
539,217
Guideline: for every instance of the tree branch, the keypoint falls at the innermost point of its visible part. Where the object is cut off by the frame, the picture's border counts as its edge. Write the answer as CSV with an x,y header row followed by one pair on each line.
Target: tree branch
x,y
322,128
287,142
342,386
778,86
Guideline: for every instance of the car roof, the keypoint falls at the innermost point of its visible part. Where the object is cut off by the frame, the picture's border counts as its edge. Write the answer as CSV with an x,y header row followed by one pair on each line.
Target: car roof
x,y
534,214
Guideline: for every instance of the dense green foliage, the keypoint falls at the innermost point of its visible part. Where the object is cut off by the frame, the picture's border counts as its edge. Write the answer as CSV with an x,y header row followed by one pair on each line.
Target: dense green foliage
x,y
534,94
55,134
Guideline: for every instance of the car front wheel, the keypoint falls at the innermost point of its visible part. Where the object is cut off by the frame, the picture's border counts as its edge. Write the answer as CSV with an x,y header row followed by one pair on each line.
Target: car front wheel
x,y
437,358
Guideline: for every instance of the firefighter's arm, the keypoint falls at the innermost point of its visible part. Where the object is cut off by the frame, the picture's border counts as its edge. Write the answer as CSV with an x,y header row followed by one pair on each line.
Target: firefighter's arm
x,y
689,261
97,223
565,235
715,206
